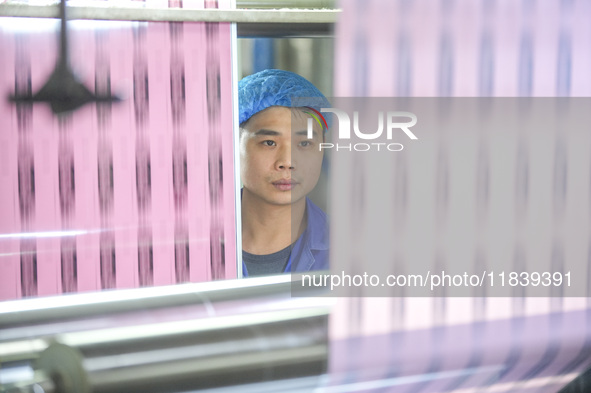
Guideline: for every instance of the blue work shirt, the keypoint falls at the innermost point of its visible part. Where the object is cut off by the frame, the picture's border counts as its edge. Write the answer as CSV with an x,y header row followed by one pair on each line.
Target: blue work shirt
x,y
310,251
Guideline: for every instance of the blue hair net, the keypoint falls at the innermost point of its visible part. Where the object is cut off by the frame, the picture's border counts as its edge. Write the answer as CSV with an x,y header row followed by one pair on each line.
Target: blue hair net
x,y
268,88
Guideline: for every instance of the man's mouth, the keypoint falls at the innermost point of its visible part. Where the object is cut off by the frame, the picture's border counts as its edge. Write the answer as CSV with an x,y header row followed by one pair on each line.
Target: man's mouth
x,y
284,184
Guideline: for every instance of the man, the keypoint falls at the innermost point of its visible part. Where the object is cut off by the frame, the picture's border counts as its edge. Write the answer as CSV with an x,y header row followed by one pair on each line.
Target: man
x,y
282,230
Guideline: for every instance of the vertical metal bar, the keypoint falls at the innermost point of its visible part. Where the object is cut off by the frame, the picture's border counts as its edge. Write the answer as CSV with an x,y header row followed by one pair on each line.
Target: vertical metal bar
x,y
63,59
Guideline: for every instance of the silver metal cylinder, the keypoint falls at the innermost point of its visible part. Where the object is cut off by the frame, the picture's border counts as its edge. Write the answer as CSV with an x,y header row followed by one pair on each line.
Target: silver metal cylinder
x,y
186,336
186,355
41,383
305,18
42,317
308,4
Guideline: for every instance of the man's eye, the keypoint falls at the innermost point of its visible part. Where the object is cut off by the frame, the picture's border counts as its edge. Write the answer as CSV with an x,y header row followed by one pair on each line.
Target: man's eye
x,y
269,143
305,143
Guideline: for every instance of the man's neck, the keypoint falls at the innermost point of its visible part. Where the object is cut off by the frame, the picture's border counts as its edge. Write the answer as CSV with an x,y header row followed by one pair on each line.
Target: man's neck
x,y
268,228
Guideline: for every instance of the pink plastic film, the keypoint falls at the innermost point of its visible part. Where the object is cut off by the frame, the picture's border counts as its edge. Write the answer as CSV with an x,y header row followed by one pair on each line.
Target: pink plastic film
x,y
125,194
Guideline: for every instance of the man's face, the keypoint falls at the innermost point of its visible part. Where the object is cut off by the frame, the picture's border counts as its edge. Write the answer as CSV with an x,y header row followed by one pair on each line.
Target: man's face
x,y
279,164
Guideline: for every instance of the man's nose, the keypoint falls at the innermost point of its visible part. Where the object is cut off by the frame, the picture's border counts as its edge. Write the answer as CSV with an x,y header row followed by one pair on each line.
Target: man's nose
x,y
284,159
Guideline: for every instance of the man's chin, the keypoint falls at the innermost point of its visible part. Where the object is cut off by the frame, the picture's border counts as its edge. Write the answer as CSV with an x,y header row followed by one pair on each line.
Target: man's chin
x,y
287,198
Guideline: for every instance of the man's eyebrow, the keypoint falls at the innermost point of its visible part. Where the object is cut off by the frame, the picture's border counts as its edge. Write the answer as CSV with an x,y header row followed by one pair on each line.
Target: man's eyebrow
x,y
267,132
305,133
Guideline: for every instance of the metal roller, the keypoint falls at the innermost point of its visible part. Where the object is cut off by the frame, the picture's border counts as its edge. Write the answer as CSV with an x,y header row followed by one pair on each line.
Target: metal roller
x,y
33,318
308,4
308,18
269,336
187,355
26,326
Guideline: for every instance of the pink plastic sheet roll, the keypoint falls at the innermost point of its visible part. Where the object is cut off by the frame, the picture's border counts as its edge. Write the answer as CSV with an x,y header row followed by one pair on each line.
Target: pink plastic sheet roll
x,y
521,199
118,195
